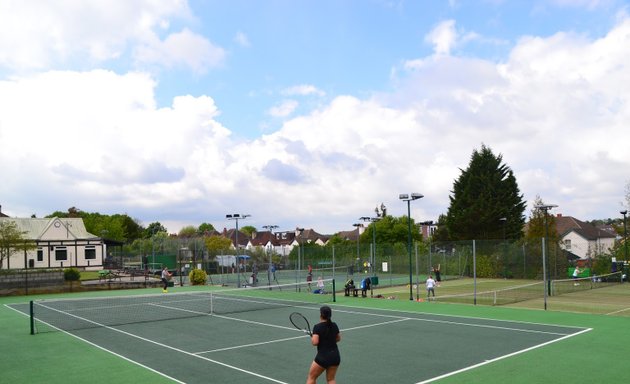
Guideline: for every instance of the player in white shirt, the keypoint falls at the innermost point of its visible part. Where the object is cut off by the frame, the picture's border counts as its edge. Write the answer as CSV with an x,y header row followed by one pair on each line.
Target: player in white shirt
x,y
430,286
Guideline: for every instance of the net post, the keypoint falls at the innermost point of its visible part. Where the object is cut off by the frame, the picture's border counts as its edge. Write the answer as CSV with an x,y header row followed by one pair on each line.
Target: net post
x,y
31,316
334,291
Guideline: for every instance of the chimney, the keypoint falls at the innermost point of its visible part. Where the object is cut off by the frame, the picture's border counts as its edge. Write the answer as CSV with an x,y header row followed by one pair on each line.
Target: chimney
x,y
559,215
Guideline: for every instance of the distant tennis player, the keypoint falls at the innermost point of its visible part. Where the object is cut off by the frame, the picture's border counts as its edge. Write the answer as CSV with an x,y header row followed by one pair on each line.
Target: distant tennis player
x,y
166,275
576,274
430,286
438,275
325,336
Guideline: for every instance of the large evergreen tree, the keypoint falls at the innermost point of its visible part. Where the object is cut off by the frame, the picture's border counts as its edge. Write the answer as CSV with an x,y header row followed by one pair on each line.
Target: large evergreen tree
x,y
485,202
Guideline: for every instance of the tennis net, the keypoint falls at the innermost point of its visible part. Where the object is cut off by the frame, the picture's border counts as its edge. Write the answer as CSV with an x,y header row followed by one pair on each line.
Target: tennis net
x,y
564,286
83,313
501,296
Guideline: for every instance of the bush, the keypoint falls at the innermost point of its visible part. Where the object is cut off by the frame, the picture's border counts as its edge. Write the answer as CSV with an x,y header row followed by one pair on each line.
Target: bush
x,y
71,274
198,277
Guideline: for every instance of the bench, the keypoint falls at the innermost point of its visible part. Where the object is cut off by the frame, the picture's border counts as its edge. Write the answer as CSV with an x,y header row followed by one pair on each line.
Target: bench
x,y
108,275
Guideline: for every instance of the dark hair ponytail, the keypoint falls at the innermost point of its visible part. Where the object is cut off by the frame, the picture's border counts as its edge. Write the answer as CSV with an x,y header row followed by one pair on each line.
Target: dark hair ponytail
x,y
326,313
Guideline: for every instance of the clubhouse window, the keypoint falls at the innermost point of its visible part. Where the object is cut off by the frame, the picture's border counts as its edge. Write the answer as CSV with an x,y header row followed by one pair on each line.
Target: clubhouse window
x,y
61,254
90,252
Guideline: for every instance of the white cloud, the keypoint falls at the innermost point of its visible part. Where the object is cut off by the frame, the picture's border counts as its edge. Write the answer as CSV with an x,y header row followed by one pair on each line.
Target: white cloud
x,y
183,49
284,109
443,37
557,109
98,137
303,90
242,39
43,34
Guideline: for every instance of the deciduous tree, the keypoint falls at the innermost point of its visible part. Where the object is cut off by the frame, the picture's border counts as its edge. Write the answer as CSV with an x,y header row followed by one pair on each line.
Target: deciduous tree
x,y
12,240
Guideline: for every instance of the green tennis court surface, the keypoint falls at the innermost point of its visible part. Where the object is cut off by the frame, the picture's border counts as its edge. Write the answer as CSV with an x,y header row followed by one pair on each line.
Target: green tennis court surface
x,y
257,344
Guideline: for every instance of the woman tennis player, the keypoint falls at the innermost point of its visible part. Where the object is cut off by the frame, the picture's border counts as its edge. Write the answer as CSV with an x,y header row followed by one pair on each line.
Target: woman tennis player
x,y
325,336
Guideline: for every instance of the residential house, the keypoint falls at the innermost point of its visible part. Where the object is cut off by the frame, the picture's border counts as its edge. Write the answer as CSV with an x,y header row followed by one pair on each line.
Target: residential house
x,y
308,236
263,240
352,235
240,237
59,243
583,239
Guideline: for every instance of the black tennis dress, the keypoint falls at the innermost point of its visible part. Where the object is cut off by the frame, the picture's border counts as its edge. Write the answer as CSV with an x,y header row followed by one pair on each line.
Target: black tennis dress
x,y
327,351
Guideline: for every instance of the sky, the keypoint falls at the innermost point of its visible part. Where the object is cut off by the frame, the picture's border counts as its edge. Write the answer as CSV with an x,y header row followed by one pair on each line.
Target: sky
x,y
308,113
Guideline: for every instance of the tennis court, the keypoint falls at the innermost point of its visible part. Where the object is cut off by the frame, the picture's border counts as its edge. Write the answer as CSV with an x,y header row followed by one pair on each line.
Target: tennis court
x,y
249,338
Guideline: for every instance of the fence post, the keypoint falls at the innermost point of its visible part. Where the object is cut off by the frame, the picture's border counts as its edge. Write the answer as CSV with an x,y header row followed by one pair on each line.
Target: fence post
x,y
474,272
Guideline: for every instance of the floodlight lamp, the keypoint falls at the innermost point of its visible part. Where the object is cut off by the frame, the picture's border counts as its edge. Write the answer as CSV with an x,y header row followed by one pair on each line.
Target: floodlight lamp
x,y
624,212
545,206
228,216
415,196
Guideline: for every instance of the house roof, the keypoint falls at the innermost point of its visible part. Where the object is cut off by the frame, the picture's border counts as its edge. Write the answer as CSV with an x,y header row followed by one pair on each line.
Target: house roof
x,y
35,228
352,235
263,238
243,238
283,238
567,224
310,236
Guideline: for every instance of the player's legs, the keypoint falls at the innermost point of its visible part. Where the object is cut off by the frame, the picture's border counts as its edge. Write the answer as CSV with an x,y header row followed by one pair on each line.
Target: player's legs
x,y
331,372
314,373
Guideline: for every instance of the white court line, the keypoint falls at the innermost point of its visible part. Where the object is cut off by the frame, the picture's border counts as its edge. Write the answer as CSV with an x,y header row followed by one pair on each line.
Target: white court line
x,y
104,349
251,345
619,311
290,338
460,323
255,322
169,347
376,324
447,315
501,357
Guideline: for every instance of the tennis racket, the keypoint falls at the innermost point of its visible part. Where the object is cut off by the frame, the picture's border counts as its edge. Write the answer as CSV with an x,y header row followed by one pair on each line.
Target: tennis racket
x,y
299,321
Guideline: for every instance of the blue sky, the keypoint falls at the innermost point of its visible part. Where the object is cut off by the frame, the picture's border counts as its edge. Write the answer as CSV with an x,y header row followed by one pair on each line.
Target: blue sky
x,y
308,113
349,47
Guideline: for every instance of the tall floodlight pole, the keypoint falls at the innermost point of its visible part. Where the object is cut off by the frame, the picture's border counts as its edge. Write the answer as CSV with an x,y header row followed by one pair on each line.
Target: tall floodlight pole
x,y
298,269
409,199
372,220
547,281
358,226
270,228
625,236
236,217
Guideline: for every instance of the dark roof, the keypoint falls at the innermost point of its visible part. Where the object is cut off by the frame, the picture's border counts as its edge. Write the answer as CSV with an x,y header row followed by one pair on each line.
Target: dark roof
x,y
566,224
309,235
243,238
352,235
283,238
262,238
